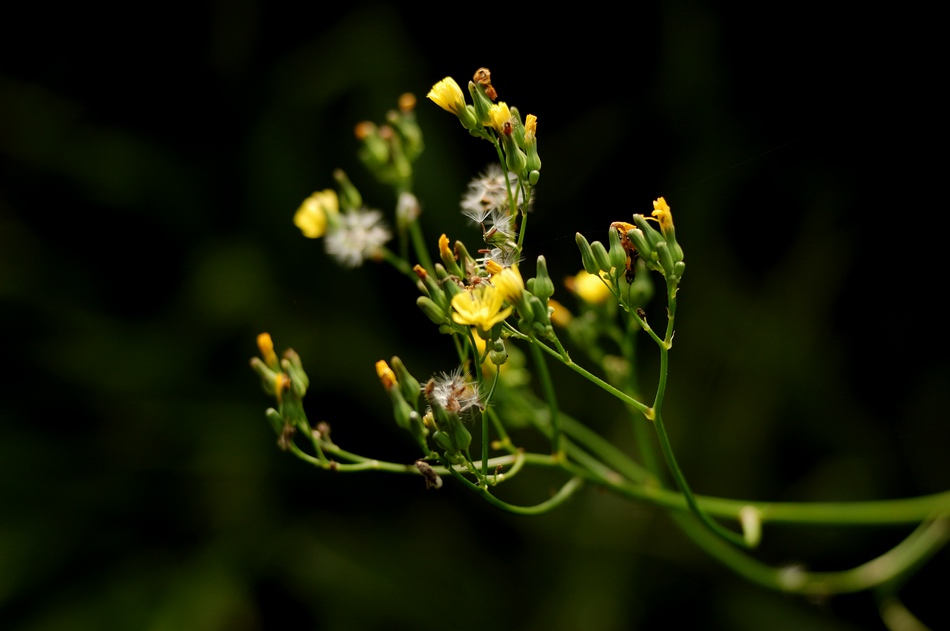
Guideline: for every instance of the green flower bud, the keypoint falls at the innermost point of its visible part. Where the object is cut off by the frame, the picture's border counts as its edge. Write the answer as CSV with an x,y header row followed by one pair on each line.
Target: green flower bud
x,y
410,387
664,256
515,159
600,256
651,234
618,257
497,353
469,118
587,256
350,198
276,420
433,311
541,285
481,101
534,176
298,378
640,242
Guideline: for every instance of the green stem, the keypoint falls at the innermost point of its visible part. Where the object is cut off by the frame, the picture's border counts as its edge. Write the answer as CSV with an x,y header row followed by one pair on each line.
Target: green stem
x,y
399,263
683,486
547,386
566,491
643,409
920,545
419,244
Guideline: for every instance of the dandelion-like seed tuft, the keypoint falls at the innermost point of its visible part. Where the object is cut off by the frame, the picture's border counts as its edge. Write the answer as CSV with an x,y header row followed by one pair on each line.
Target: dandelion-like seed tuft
x,y
360,236
454,392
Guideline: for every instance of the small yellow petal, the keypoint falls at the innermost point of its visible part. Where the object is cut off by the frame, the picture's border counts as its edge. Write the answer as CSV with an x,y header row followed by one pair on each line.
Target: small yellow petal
x,y
448,95
386,375
266,346
500,115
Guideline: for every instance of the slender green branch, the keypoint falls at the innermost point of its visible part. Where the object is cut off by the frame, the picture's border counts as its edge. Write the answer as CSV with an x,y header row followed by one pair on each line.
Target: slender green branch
x,y
594,379
398,262
566,491
920,545
419,245
547,386
680,479
894,512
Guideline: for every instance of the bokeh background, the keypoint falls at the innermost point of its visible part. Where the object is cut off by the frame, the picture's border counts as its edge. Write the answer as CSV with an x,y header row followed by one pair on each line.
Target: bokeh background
x,y
151,159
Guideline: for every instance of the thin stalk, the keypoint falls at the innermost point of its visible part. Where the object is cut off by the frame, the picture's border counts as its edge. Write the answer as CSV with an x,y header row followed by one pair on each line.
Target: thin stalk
x,y
919,546
419,245
640,407
683,486
547,386
565,492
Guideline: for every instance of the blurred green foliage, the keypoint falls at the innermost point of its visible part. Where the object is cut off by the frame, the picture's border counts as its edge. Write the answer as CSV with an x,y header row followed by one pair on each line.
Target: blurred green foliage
x,y
148,174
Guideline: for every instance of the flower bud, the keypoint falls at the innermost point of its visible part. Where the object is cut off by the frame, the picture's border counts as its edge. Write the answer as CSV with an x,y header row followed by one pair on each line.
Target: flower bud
x,y
618,256
541,285
481,102
600,256
350,198
587,256
433,311
407,383
665,257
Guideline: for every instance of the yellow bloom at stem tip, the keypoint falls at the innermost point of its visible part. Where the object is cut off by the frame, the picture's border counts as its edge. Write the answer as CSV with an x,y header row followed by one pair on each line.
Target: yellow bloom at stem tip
x,y
448,95
500,114
312,216
266,346
509,282
530,126
386,375
480,307
661,211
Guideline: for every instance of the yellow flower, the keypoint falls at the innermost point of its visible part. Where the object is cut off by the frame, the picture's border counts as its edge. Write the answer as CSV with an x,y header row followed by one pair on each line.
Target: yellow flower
x,y
481,307
448,95
266,346
509,282
500,115
588,287
386,375
560,316
530,126
663,215
312,216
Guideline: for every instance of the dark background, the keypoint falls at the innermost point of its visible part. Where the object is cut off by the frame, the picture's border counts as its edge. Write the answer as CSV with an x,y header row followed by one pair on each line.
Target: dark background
x,y
151,160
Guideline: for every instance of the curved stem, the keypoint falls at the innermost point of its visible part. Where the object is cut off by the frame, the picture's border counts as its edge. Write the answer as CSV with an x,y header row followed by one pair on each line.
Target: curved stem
x,y
920,545
683,486
566,491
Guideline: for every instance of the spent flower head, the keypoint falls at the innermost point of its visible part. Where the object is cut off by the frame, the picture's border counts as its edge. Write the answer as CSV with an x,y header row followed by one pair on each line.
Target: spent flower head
x,y
487,195
454,392
360,235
